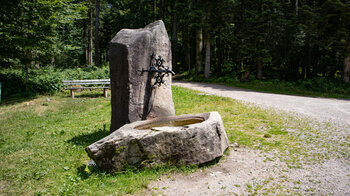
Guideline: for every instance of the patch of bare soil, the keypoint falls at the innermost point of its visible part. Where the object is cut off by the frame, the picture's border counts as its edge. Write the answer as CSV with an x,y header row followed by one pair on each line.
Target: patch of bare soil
x,y
3,186
230,176
331,177
39,105
247,171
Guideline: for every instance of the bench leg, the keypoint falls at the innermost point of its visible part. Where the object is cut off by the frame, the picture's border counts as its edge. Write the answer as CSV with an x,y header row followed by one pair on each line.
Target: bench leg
x,y
72,93
105,92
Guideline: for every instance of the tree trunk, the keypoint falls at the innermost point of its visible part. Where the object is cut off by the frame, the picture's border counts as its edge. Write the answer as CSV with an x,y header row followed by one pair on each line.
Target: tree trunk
x,y
154,10
86,47
199,48
296,7
220,56
36,62
174,34
53,61
90,38
27,77
28,61
97,37
303,71
309,62
305,64
259,68
87,55
346,71
207,55
161,11
187,50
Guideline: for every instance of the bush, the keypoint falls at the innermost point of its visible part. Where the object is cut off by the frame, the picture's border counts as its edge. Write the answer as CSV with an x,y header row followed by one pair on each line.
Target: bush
x,y
325,85
318,86
47,79
12,81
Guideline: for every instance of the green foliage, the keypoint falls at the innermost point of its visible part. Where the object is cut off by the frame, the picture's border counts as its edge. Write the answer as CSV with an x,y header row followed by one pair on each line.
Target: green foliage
x,y
40,31
46,80
283,41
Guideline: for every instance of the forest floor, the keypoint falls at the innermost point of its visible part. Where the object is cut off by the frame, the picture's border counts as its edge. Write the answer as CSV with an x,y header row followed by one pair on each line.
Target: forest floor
x,y
322,168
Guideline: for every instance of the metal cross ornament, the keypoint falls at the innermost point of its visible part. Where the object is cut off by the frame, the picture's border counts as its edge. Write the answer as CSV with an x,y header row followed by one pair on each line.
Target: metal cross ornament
x,y
157,66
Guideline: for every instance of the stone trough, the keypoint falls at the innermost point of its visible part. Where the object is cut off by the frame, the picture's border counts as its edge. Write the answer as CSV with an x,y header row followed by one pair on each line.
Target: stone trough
x,y
185,139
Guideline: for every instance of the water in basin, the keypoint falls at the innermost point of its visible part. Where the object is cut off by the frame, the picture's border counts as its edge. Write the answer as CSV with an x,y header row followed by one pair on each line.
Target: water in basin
x,y
171,123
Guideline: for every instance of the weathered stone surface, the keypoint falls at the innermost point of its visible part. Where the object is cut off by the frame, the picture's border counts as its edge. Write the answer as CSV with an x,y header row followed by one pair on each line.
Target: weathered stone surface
x,y
133,97
186,139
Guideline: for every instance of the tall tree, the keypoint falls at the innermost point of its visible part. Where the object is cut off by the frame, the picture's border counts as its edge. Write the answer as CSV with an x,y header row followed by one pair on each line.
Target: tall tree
x,y
97,30
40,32
174,33
90,33
276,39
207,55
154,9
346,19
346,71
207,39
199,49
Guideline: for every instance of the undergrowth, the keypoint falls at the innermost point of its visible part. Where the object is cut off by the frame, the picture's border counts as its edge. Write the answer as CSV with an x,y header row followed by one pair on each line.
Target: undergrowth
x,y
45,79
318,86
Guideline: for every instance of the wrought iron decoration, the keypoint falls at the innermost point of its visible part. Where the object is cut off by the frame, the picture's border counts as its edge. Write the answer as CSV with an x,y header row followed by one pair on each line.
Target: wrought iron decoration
x,y
160,70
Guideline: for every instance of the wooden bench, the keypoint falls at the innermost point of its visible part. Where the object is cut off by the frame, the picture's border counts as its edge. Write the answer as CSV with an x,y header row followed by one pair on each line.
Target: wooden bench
x,y
74,85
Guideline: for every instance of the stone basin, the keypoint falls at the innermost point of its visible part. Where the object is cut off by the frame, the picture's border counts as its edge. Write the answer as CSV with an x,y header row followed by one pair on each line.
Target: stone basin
x,y
180,140
173,121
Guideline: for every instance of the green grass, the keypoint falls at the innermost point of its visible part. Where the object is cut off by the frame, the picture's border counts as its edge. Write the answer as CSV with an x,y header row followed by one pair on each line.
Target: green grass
x,y
244,124
316,87
42,141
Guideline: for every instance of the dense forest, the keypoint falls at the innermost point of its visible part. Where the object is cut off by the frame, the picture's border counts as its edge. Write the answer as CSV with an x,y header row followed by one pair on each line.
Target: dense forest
x,y
264,39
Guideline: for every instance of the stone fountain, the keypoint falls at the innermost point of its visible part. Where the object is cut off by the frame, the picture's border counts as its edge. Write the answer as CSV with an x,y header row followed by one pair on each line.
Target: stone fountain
x,y
144,128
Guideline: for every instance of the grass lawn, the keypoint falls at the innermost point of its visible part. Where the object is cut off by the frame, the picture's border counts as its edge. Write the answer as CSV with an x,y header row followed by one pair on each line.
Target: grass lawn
x,y
42,141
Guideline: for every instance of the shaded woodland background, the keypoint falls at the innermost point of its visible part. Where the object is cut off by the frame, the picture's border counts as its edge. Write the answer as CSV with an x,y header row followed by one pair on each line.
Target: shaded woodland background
x,y
265,39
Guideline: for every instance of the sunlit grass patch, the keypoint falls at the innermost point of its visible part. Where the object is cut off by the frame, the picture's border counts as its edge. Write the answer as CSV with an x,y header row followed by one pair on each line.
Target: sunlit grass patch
x,y
243,123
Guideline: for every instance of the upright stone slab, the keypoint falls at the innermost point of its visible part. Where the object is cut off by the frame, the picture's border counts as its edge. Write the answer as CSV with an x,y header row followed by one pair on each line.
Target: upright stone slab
x,y
133,97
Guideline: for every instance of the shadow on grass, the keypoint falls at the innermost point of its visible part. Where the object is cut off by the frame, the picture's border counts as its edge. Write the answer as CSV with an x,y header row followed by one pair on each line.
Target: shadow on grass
x,y
84,171
86,139
11,100
86,93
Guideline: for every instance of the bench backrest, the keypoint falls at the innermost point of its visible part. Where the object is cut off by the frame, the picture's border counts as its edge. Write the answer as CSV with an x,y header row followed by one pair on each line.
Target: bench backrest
x,y
85,82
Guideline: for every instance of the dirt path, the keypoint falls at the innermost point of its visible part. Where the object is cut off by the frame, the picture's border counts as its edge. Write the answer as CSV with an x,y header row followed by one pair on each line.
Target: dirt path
x,y
248,172
323,169
336,110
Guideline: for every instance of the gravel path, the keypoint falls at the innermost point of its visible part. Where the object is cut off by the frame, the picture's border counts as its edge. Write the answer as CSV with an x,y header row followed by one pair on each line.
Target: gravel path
x,y
322,168
335,110
252,172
